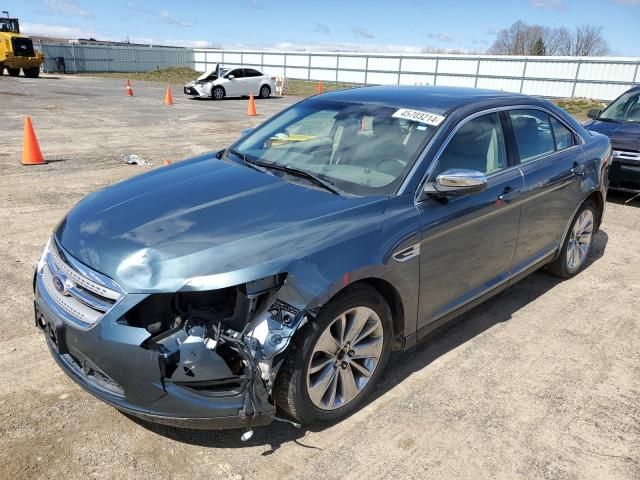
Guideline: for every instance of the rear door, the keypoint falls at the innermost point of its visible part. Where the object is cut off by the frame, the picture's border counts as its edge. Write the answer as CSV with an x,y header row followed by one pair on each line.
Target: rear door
x,y
468,242
253,78
552,164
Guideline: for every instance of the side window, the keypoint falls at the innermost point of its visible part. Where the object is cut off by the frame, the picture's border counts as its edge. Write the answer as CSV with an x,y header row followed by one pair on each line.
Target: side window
x,y
237,73
533,134
250,72
478,145
564,137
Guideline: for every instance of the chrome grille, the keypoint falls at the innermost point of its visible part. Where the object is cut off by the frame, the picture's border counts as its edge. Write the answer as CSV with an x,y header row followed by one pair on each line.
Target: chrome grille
x,y
626,156
84,300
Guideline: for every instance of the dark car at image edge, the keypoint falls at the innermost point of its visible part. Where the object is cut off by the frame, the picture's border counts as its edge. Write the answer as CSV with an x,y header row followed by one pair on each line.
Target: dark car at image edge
x,y
283,270
620,121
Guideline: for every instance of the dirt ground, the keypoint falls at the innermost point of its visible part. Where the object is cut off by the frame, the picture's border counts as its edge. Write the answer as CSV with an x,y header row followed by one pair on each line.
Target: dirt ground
x,y
541,382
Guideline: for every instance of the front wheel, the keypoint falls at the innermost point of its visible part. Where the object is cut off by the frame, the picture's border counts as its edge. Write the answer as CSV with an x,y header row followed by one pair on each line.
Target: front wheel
x,y
336,359
217,93
32,72
265,91
14,72
577,245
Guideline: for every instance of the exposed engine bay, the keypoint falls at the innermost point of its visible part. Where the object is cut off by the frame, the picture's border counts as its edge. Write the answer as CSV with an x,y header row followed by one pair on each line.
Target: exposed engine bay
x,y
219,341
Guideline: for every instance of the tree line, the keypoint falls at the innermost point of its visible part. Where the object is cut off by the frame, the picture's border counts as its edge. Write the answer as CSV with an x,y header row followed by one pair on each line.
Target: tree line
x,y
524,39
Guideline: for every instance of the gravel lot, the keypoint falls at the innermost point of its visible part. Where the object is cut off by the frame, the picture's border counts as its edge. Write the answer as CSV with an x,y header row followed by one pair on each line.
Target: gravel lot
x,y
541,382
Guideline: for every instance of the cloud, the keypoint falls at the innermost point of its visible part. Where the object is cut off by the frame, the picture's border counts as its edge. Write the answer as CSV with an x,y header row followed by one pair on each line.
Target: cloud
x,y
322,28
330,47
362,32
56,30
171,20
255,4
548,4
627,2
444,37
66,7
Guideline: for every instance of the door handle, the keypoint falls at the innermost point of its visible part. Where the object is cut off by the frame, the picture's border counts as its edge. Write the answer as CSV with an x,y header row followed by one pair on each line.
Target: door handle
x,y
578,169
507,194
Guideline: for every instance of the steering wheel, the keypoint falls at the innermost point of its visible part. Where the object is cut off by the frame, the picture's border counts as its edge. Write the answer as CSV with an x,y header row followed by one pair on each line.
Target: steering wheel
x,y
389,165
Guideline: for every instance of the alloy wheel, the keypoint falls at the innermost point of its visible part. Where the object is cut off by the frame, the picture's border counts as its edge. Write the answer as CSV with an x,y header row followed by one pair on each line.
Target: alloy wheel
x,y
344,358
580,240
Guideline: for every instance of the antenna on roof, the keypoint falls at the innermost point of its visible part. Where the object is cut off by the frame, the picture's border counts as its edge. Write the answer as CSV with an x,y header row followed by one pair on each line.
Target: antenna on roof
x,y
6,13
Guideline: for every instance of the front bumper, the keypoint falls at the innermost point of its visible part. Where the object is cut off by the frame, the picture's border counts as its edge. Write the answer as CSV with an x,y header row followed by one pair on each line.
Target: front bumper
x,y
624,176
108,361
23,62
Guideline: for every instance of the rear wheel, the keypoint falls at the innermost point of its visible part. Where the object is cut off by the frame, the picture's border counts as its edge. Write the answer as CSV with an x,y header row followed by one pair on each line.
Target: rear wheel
x,y
334,362
265,91
32,72
14,72
577,245
1,69
217,93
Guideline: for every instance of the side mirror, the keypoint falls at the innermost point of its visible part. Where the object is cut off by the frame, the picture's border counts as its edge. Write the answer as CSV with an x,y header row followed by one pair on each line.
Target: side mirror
x,y
456,182
247,131
594,113
231,77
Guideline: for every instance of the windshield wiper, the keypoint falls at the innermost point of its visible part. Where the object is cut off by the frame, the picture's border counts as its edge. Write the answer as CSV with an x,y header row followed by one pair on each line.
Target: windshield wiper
x,y
327,185
250,163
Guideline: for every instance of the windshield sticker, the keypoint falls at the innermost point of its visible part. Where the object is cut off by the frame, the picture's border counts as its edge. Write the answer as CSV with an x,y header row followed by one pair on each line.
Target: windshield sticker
x,y
432,119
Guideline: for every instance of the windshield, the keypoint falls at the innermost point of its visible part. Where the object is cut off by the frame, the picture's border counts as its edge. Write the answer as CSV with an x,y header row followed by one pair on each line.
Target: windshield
x,y
9,25
363,149
625,108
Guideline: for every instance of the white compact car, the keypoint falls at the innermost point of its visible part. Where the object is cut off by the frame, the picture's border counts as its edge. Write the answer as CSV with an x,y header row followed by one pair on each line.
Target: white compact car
x,y
220,82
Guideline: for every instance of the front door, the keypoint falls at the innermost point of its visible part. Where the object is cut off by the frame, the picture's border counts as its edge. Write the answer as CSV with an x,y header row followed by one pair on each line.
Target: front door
x,y
468,242
235,87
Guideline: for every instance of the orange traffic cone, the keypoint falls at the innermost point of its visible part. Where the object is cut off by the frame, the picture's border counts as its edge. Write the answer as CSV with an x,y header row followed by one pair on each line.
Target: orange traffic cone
x,y
319,89
129,89
251,110
31,154
168,97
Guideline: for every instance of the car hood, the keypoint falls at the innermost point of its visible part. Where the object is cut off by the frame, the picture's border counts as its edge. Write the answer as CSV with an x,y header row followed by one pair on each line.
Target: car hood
x,y
204,223
625,136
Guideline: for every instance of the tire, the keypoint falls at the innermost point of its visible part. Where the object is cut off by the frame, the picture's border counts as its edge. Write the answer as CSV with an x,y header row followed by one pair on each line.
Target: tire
x,y
294,390
217,93
577,246
265,91
14,72
1,70
31,72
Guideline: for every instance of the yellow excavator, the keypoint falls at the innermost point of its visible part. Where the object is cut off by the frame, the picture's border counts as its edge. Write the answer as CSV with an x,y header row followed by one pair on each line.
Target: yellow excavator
x,y
16,50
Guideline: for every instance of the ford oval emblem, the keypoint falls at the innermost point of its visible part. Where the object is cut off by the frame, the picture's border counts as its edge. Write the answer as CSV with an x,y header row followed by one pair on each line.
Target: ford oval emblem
x,y
61,283
58,283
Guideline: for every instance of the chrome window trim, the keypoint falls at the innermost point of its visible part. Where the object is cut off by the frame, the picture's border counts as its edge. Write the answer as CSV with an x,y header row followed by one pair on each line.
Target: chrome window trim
x,y
436,157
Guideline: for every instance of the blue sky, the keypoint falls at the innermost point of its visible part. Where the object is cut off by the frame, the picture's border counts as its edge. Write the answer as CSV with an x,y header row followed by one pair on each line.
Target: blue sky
x,y
398,25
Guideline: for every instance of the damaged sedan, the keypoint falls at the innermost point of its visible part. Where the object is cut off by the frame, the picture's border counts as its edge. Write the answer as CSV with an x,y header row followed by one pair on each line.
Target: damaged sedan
x,y
283,270
219,83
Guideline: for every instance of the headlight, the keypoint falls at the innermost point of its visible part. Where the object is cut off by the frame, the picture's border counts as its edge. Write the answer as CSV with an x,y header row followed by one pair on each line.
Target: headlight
x,y
43,257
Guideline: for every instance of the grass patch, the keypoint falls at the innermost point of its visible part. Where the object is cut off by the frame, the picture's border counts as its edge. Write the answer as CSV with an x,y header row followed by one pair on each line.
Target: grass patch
x,y
174,75
305,88
578,107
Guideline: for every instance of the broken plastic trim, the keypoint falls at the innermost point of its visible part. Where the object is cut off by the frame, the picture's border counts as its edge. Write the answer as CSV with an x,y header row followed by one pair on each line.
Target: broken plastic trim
x,y
203,343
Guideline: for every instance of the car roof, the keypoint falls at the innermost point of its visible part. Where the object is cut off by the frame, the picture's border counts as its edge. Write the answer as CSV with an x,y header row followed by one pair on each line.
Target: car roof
x,y
435,98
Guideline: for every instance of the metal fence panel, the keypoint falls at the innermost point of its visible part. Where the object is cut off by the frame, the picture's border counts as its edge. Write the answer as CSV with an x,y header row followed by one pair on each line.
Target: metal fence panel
x,y
108,58
601,78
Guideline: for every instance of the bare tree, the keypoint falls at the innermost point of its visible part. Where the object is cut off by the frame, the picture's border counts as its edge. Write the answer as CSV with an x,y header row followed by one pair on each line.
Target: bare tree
x,y
523,39
589,42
